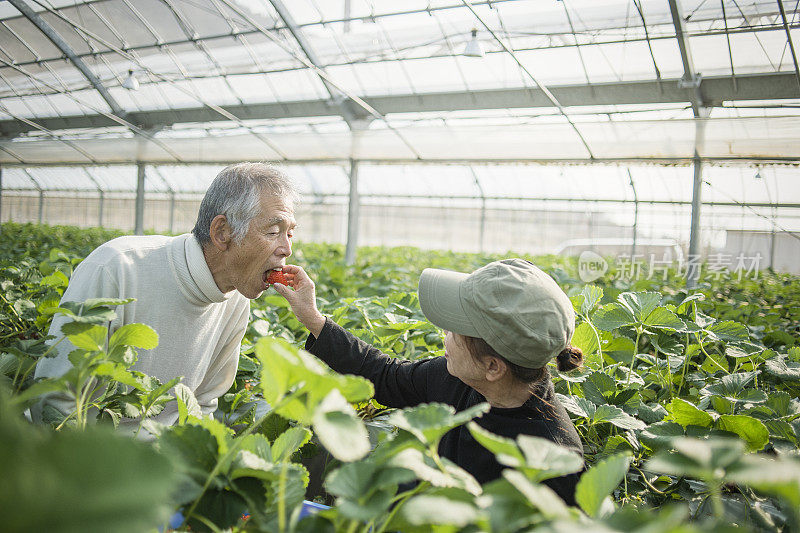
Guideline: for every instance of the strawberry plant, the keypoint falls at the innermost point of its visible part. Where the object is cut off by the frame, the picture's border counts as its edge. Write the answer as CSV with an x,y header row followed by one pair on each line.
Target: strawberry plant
x,y
688,407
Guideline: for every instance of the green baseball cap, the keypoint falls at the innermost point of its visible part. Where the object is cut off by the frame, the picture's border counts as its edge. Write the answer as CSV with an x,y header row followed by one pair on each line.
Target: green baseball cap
x,y
513,305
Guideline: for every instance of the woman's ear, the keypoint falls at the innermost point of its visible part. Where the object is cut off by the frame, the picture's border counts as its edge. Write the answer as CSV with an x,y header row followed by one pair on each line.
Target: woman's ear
x,y
220,232
495,368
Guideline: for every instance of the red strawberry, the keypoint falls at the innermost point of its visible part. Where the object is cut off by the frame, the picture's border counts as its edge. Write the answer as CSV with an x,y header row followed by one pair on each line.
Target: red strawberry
x,y
276,276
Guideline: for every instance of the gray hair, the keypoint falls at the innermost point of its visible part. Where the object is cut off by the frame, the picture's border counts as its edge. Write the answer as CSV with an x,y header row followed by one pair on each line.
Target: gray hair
x,y
236,193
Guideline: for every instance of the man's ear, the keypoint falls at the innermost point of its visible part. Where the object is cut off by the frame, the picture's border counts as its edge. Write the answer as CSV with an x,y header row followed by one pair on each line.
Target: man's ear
x,y
221,234
495,369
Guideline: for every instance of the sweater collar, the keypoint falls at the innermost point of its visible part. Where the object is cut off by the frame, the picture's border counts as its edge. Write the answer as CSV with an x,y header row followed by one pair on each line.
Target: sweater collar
x,y
194,277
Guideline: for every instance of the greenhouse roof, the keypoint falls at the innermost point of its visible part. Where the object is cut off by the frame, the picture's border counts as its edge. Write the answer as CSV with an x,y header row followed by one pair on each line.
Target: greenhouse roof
x,y
181,81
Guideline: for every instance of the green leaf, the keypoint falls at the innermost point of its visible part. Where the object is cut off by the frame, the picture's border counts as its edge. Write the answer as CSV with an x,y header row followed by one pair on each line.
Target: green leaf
x,y
443,474
425,510
794,354
94,303
777,338
702,459
506,508
285,368
187,403
258,445
92,339
56,280
289,442
137,335
158,394
640,303
779,477
544,459
351,480
125,355
89,481
663,318
731,386
584,302
340,429
276,369
37,389
540,496
92,311
117,372
363,489
599,387
597,482
576,405
221,433
728,331
685,304
743,349
612,316
667,344
585,339
687,414
780,429
617,417
651,413
783,369
500,446
618,443
782,404
367,509
751,430
429,422
248,464
660,434
713,362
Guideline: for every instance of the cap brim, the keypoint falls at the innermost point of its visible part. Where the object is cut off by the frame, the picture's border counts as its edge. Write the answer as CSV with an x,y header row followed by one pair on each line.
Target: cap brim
x,y
440,300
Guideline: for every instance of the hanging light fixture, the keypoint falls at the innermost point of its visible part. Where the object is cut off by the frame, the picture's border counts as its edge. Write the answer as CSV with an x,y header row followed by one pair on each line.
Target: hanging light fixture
x,y
473,47
131,83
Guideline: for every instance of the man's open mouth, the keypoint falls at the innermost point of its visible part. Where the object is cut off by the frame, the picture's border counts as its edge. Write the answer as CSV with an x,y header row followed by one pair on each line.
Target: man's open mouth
x,y
266,273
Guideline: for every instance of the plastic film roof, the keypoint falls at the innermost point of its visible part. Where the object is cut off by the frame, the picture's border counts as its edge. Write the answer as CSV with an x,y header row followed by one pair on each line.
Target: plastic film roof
x,y
310,80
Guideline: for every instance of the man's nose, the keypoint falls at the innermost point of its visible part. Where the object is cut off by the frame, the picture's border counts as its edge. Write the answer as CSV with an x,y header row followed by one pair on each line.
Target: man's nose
x,y
284,248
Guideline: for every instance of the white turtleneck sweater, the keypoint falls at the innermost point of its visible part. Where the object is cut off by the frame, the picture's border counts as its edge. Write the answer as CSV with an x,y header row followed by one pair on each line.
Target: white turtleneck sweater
x,y
200,328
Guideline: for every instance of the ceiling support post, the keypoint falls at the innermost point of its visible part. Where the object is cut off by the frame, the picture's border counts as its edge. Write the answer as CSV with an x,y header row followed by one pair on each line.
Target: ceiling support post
x,y
694,232
139,198
352,215
100,209
635,216
692,80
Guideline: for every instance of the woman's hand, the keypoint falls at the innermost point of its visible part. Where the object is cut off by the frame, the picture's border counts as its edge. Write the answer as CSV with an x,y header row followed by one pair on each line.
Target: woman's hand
x,y
302,299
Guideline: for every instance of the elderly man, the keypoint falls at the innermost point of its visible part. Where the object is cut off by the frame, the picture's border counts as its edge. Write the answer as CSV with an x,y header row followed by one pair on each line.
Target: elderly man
x,y
192,289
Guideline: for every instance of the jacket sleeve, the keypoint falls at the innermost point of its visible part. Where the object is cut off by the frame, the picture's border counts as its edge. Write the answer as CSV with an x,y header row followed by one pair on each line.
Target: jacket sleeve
x,y
398,383
222,368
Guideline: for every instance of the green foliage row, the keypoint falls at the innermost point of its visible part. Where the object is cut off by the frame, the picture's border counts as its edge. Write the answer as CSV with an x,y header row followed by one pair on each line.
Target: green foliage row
x,y
687,406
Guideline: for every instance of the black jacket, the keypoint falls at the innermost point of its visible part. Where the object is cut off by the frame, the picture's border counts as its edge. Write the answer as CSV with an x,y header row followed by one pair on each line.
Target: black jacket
x,y
402,383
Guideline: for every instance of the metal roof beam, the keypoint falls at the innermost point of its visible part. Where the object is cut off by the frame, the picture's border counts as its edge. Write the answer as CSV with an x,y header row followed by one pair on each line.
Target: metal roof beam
x,y
721,161
368,60
716,90
337,97
691,78
57,40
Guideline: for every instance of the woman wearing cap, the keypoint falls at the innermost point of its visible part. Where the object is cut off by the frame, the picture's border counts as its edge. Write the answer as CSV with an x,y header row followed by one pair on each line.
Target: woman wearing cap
x,y
504,323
